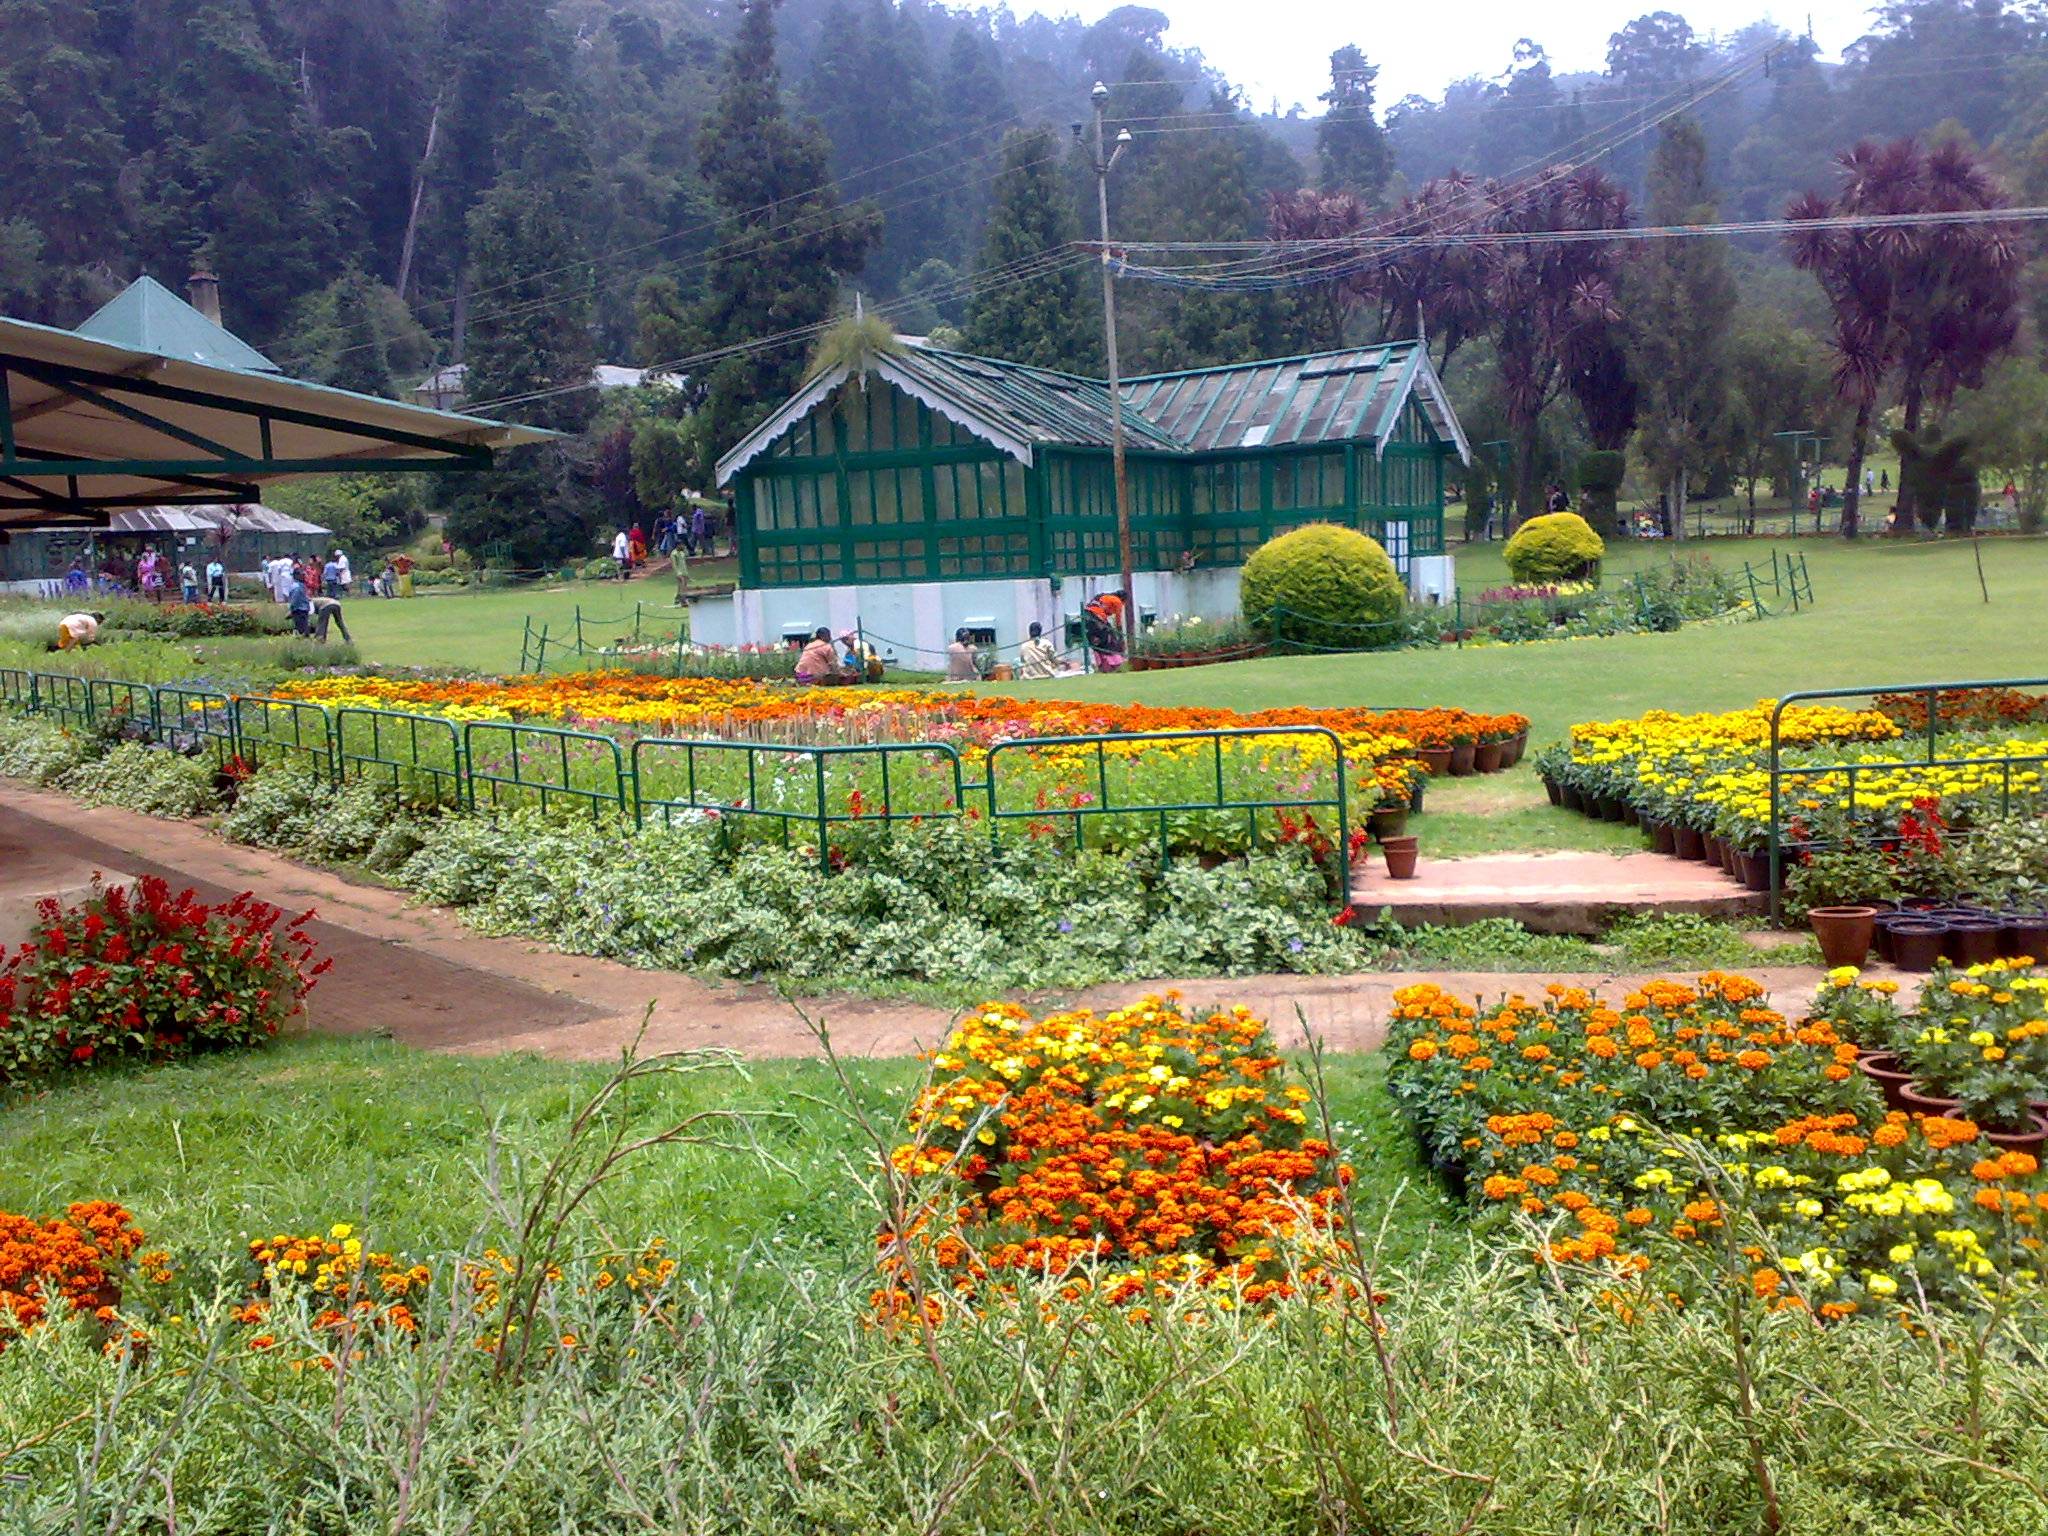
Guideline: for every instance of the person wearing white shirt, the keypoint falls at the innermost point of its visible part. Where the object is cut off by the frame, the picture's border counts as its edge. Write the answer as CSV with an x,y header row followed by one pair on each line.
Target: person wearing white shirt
x,y
622,549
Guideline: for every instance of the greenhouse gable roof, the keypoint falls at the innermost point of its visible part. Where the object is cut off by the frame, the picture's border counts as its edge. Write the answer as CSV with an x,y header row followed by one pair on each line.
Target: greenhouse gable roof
x,y
1324,398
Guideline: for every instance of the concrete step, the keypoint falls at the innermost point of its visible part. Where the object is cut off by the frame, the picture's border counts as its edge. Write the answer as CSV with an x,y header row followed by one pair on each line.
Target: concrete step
x,y
1550,892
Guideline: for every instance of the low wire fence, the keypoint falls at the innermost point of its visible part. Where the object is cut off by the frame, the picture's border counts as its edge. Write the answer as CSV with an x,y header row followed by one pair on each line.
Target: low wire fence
x,y
1193,793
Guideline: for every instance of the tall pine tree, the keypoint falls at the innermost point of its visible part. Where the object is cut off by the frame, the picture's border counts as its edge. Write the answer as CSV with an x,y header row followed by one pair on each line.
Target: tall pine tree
x,y
1679,299
1351,150
1046,320
785,243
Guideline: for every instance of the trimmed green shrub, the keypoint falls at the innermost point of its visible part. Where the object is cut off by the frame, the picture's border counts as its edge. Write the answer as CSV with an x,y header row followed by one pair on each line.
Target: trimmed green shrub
x,y
1324,585
1559,546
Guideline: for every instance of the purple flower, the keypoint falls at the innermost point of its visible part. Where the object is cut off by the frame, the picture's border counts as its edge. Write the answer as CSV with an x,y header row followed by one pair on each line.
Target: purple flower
x,y
1066,925
1295,946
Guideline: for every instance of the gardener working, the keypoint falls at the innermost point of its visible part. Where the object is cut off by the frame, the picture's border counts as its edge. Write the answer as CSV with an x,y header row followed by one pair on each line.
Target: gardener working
x,y
819,662
76,630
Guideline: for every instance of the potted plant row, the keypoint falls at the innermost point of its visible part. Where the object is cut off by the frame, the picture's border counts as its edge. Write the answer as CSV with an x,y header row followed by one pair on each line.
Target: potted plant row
x,y
1975,1049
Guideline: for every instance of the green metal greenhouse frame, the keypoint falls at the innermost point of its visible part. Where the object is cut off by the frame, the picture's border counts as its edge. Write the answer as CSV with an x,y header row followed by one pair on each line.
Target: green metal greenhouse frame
x,y
935,466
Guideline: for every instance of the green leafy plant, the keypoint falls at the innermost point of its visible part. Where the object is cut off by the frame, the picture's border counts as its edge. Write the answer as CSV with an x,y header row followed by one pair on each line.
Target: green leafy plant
x,y
1559,546
1323,585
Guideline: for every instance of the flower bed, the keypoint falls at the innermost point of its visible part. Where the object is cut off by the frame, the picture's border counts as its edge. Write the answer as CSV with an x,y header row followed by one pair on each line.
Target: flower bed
x,y
1126,1151
74,1261
1848,785
1619,1139
151,974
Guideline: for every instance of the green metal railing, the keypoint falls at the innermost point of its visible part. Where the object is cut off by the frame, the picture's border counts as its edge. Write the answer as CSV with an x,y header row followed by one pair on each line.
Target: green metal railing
x,y
763,771
18,690
386,744
65,696
1105,802
111,698
199,716
539,765
290,730
485,765
1929,739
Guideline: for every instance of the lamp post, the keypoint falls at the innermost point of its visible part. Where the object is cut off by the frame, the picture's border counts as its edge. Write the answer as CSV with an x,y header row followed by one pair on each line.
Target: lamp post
x,y
1106,158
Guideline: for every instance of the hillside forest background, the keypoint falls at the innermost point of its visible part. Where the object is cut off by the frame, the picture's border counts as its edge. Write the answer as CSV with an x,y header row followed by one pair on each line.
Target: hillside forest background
x,y
385,187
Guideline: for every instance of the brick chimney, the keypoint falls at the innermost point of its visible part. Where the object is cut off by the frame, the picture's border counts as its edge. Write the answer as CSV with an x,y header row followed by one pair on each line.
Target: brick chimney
x,y
204,289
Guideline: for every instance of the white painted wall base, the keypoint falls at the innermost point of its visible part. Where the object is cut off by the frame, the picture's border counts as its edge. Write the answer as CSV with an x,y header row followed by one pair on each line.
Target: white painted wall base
x,y
915,620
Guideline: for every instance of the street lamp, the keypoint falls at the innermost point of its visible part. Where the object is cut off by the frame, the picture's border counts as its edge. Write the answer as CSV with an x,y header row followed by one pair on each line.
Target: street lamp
x,y
1106,158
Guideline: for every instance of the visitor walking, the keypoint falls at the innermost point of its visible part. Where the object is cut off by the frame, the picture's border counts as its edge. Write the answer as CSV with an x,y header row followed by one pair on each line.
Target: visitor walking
x,y
151,574
1036,658
1557,501
344,578
216,581
664,535
188,582
1884,480
622,552
75,579
1870,482
700,532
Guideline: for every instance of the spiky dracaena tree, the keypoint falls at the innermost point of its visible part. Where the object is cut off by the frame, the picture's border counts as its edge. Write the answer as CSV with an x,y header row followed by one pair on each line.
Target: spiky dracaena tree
x,y
1934,304
1551,303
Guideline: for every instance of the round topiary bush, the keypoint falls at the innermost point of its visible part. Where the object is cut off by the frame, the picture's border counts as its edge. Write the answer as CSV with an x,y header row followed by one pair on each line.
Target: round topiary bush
x,y
1559,546
1323,585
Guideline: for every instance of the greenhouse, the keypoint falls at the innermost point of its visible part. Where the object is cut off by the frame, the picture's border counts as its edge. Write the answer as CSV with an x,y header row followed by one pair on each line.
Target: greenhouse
x,y
926,491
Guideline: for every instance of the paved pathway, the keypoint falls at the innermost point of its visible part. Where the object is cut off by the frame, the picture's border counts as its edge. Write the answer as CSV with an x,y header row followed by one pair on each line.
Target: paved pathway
x,y
418,974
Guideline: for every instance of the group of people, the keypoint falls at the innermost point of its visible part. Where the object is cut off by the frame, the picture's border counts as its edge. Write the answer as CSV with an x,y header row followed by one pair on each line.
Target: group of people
x,y
851,660
692,535
312,590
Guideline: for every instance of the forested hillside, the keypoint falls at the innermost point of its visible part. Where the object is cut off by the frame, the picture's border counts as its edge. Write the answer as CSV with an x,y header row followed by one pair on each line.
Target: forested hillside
x,y
388,185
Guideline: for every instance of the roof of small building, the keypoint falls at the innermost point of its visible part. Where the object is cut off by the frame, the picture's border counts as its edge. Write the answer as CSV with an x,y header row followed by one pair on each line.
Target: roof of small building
x,y
1318,398
201,518
147,317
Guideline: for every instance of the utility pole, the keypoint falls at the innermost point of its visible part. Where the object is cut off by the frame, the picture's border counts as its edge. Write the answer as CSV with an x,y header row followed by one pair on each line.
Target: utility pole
x,y
1103,163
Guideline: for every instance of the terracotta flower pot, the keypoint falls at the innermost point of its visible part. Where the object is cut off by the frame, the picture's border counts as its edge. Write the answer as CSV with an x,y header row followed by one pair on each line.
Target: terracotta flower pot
x,y
2024,933
1516,746
1917,1099
1487,756
1663,839
1972,940
1686,842
1885,1072
1844,933
1755,870
1552,789
1573,800
1614,810
1436,759
1463,756
1916,943
1400,854
1388,821
2029,1141
1731,861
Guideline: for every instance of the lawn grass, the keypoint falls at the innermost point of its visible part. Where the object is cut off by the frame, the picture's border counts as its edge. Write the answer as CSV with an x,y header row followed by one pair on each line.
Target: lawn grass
x,y
1885,612
481,628
315,1130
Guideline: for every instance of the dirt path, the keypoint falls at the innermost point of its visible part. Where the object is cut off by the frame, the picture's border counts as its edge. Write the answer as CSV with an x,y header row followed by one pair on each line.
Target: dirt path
x,y
417,974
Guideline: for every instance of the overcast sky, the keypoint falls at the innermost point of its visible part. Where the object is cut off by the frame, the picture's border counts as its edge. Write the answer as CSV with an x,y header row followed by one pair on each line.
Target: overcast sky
x,y
1281,48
